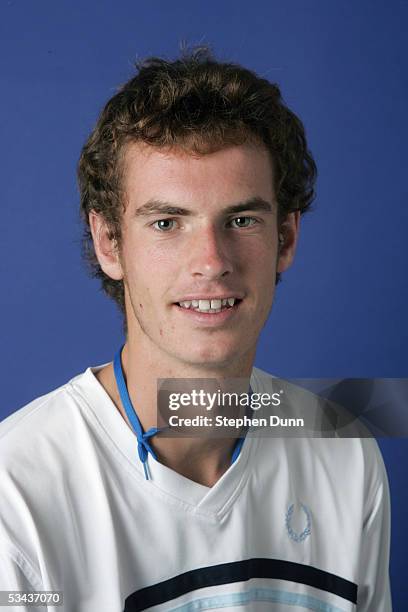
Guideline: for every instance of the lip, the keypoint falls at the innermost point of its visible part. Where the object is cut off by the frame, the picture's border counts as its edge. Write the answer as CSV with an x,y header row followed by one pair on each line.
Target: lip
x,y
208,319
212,296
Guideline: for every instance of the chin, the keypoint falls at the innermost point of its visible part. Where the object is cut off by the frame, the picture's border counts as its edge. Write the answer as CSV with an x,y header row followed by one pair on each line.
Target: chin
x,y
211,358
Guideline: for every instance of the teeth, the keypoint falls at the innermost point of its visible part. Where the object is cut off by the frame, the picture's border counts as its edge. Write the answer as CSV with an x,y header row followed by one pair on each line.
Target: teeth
x,y
210,306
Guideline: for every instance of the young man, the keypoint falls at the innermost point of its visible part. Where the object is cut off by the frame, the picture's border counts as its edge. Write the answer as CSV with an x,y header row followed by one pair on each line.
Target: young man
x,y
192,184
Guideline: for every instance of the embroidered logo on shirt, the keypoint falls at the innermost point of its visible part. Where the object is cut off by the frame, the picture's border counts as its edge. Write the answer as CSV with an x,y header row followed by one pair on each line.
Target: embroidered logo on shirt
x,y
298,537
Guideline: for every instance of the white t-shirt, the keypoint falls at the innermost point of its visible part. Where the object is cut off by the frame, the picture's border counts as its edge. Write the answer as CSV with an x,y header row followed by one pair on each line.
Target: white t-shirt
x,y
293,524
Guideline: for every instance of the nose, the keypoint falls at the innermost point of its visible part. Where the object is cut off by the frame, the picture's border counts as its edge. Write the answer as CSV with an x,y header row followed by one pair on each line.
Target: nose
x,y
210,256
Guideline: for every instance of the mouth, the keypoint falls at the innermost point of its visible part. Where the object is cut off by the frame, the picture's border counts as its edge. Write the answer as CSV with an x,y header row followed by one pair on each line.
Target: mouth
x,y
210,306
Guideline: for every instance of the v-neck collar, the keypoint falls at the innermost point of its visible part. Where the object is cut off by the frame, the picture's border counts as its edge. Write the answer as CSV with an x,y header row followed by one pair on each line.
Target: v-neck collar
x,y
211,502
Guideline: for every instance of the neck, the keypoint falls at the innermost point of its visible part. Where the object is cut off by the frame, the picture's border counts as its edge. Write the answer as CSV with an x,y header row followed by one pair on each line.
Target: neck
x,y
202,459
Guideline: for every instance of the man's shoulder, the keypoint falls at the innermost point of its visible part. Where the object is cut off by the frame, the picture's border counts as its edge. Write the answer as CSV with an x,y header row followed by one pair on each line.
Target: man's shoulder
x,y
38,447
29,414
360,453
41,422
262,381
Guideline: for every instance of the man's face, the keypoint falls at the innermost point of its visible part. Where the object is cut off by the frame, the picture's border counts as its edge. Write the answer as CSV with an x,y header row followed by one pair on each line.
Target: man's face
x,y
197,230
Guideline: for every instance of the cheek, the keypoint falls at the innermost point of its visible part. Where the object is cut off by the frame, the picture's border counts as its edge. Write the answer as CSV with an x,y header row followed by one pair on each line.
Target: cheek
x,y
161,260
266,279
263,260
260,246
145,264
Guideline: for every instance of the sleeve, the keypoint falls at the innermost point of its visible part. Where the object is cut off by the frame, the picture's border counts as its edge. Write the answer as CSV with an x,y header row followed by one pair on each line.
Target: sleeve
x,y
374,584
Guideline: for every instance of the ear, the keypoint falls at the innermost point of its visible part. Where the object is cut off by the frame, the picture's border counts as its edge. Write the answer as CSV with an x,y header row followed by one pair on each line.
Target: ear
x,y
288,232
105,246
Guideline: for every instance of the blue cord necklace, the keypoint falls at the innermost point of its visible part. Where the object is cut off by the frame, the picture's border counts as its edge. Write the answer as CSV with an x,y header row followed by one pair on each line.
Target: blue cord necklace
x,y
143,445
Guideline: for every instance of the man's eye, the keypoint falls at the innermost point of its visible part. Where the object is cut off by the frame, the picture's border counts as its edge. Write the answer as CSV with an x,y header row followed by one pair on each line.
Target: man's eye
x,y
243,222
164,225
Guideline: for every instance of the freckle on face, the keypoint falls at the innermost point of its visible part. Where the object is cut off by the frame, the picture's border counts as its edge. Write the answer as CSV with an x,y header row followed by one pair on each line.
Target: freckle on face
x,y
161,331
141,306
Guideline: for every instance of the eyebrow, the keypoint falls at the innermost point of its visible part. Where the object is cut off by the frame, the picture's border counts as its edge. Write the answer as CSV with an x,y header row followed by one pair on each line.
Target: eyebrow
x,y
161,207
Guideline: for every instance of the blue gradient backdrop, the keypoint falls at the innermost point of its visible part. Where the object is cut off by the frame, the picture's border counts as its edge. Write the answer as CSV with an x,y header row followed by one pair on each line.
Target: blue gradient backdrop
x,y
342,65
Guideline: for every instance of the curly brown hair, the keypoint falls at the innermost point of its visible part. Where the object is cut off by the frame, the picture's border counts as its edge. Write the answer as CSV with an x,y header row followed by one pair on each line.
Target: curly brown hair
x,y
200,105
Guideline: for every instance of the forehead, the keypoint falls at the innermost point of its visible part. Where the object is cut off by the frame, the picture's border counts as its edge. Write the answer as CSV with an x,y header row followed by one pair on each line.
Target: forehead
x,y
218,178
